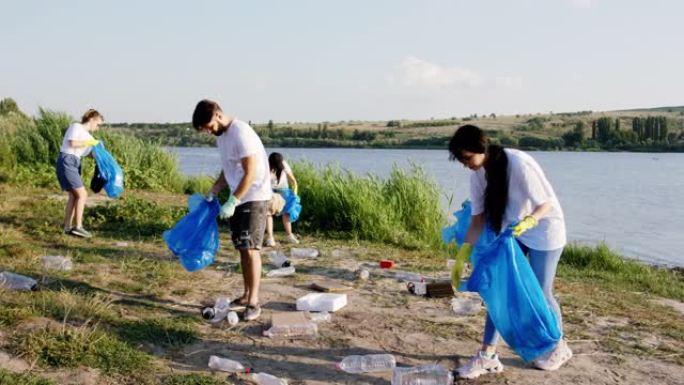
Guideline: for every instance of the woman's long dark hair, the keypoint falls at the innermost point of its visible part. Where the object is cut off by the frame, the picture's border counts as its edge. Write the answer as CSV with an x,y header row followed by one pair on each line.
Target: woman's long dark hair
x,y
471,138
275,162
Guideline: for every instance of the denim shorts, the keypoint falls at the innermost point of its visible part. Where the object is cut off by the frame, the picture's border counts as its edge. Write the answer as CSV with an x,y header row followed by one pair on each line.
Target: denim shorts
x,y
68,171
248,224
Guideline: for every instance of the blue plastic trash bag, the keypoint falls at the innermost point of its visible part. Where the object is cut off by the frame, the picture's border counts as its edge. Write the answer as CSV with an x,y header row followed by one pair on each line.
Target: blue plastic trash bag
x,y
195,238
109,171
293,206
515,301
457,231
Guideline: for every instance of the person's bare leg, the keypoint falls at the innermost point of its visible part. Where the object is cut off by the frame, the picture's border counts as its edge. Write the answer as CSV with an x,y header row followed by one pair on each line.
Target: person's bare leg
x,y
244,262
254,276
69,210
81,197
269,227
287,225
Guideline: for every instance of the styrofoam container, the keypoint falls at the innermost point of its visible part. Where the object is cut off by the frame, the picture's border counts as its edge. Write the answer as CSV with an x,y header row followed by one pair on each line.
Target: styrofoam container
x,y
322,302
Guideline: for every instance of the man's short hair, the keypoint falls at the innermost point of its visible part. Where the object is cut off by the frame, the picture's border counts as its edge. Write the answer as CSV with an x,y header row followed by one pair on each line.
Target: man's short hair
x,y
204,111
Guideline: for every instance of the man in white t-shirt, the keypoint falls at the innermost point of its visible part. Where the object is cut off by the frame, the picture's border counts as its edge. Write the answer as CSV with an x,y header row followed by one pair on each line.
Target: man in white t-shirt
x,y
245,171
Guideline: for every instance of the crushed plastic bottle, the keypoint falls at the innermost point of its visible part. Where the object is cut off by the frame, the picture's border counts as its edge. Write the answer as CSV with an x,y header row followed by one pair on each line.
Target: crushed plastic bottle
x,y
232,318
307,330
219,312
282,272
368,363
424,375
267,379
14,281
407,276
466,305
319,317
363,274
302,252
226,365
417,288
278,259
56,262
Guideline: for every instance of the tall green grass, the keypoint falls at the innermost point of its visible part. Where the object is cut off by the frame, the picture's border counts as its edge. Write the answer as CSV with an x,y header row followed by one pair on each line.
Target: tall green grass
x,y
29,148
402,210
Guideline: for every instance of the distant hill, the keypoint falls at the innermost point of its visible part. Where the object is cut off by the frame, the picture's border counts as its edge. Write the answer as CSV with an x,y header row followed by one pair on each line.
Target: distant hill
x,y
655,109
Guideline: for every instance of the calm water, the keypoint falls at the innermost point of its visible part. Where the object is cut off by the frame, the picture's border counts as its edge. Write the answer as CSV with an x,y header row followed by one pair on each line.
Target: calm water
x,y
631,201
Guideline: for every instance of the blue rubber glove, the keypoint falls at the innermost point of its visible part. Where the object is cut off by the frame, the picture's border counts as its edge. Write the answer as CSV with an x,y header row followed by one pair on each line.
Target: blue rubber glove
x,y
228,208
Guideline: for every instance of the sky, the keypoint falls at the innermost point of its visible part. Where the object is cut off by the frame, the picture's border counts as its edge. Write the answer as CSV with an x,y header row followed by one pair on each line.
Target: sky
x,y
318,60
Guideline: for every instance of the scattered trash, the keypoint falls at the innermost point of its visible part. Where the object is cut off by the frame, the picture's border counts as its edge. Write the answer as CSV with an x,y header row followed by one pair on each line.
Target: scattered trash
x,y
282,272
121,244
267,379
226,365
330,287
425,375
466,305
278,259
368,363
218,312
13,281
322,302
362,274
417,288
56,262
439,289
319,317
232,318
386,264
291,325
298,252
341,253
407,276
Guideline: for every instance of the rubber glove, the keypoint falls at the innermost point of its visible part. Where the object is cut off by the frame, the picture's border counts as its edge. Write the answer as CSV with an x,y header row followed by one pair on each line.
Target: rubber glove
x,y
527,223
91,142
462,256
228,208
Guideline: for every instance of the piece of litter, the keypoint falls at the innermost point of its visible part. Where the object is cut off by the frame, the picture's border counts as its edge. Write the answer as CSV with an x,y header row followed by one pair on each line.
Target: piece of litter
x,y
14,281
466,305
297,252
322,302
291,325
282,272
56,262
386,264
407,276
329,287
362,274
319,317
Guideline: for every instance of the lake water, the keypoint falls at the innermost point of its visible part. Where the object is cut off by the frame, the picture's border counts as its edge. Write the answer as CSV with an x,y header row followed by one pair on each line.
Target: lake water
x,y
632,201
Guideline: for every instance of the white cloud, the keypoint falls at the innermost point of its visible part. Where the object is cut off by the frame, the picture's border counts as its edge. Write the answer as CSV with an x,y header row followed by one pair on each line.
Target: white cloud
x,y
515,82
414,72
585,4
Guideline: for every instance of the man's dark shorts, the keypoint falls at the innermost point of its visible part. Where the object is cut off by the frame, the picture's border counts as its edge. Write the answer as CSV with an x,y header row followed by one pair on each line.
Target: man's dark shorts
x,y
248,224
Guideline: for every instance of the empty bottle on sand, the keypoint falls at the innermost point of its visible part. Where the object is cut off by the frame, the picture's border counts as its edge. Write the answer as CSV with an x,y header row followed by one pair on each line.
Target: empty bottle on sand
x,y
368,363
226,365
282,272
267,379
219,312
56,262
13,281
424,375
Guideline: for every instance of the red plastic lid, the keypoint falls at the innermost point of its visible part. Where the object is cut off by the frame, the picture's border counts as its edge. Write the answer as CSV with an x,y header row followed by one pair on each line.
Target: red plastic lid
x,y
386,263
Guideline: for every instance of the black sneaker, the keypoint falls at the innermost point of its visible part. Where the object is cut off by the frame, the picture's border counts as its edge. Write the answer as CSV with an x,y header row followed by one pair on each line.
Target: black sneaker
x,y
67,231
80,232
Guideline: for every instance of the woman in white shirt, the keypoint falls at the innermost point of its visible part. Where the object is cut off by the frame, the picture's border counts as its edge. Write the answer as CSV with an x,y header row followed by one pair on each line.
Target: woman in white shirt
x,y
281,178
509,188
77,143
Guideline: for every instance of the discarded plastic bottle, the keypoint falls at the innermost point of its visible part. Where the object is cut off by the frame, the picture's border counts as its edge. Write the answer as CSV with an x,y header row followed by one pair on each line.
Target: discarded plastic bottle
x,y
232,318
267,379
408,276
368,363
299,252
363,274
424,375
417,288
218,312
278,259
307,330
226,365
56,262
13,281
282,272
466,305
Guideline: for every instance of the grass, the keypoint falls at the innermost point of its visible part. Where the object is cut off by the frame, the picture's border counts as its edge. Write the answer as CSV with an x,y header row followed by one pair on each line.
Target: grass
x,y
164,332
193,379
9,378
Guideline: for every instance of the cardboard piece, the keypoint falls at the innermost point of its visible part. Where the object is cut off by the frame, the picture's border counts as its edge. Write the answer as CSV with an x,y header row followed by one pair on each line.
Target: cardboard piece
x,y
330,287
439,289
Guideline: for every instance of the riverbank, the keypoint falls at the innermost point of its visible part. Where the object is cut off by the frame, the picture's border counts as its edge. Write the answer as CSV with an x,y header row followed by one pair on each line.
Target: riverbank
x,y
128,313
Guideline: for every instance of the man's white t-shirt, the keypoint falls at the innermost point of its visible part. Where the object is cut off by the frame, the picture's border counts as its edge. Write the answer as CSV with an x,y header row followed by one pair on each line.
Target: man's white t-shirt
x,y
238,142
282,182
76,131
527,189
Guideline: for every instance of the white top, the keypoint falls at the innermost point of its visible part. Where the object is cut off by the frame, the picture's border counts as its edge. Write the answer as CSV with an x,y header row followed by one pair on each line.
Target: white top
x,y
527,189
282,183
238,142
76,131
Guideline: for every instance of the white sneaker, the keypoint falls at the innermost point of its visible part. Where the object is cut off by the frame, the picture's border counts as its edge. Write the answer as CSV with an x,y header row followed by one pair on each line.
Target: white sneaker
x,y
291,239
270,243
555,358
479,365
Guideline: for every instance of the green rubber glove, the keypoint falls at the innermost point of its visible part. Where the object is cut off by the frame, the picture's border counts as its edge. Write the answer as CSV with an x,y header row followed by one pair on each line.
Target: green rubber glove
x,y
228,208
527,223
462,256
91,142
